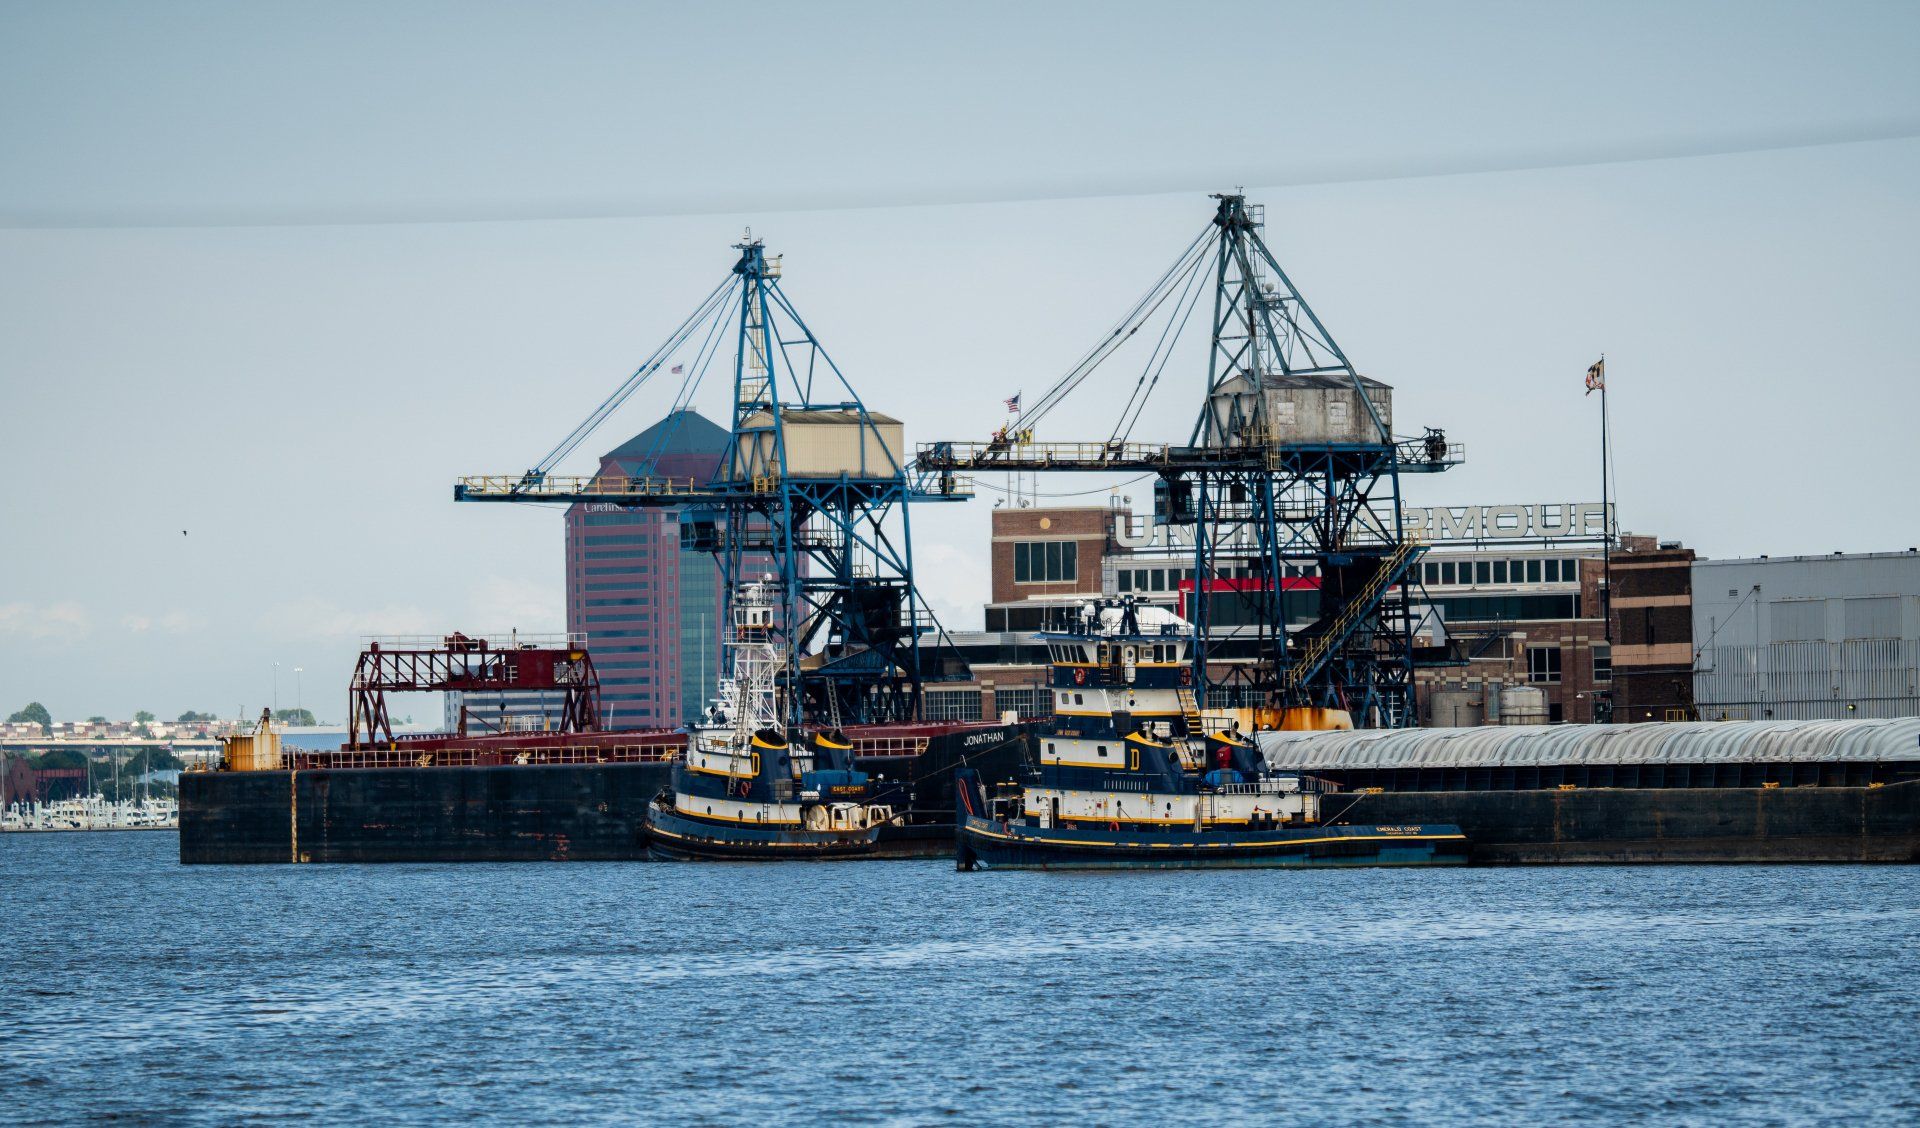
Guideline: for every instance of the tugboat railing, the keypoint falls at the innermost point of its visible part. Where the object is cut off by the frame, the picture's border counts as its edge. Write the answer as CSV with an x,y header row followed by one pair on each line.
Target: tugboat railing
x,y
1258,787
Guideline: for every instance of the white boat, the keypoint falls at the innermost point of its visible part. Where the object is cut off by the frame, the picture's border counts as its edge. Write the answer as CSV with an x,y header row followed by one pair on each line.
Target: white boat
x,y
93,812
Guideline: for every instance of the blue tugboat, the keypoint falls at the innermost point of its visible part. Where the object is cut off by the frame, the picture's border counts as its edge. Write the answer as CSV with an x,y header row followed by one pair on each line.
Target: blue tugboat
x,y
744,791
1129,778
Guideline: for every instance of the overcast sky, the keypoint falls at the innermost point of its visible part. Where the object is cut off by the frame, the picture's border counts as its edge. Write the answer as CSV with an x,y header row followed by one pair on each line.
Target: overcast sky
x,y
273,278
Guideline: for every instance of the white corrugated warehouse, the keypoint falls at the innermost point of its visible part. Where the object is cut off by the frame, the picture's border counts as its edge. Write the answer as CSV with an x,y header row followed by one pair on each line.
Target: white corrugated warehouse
x,y
1807,636
1729,742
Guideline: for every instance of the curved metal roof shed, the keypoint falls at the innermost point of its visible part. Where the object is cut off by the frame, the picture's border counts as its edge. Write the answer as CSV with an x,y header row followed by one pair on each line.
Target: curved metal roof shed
x,y
1707,742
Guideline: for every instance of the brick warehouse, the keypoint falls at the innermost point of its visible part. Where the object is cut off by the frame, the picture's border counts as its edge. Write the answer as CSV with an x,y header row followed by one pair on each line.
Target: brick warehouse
x,y
1653,633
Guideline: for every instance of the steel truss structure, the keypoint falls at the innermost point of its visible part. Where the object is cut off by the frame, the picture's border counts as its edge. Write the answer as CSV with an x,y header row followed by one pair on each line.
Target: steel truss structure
x,y
859,641
1264,507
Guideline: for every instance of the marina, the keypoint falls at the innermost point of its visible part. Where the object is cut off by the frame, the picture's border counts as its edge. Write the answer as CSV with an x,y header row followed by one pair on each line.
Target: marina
x,y
94,812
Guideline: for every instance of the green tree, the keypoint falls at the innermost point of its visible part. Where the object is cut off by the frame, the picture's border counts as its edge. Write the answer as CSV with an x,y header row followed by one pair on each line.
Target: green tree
x,y
152,760
96,720
142,717
57,758
190,717
295,717
34,713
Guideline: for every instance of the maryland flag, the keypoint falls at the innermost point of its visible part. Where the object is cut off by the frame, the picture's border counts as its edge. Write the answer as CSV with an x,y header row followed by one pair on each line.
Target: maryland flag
x,y
1597,376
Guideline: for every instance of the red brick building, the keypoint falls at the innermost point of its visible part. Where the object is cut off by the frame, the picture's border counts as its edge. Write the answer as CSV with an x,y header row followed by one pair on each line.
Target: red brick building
x,y
1044,552
1653,633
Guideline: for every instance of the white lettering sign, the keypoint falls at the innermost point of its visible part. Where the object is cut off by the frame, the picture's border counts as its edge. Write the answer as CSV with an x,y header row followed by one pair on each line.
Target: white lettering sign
x,y
1545,521
1508,522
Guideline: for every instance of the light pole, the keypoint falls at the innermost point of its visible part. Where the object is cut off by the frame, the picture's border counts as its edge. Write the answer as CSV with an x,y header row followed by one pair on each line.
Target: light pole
x,y
299,698
276,687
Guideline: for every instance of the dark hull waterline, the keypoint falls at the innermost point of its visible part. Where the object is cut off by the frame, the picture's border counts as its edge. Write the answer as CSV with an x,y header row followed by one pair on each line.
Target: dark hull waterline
x,y
987,844
672,836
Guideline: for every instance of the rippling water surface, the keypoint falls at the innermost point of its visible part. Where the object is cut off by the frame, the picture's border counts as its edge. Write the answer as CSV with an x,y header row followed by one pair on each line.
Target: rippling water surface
x,y
902,992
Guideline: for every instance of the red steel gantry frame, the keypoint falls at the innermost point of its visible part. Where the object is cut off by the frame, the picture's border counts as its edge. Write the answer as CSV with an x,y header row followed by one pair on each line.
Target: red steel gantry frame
x,y
467,665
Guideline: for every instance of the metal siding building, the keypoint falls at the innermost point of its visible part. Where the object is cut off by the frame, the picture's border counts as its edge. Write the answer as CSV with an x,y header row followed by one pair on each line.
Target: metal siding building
x,y
1801,637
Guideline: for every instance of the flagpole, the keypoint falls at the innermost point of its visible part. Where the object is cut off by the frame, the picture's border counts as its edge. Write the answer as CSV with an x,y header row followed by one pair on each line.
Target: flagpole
x,y
1606,510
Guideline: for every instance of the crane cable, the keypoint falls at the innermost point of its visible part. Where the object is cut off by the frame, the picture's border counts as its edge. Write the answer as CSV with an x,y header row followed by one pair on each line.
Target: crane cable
x,y
632,383
1170,334
1125,328
696,374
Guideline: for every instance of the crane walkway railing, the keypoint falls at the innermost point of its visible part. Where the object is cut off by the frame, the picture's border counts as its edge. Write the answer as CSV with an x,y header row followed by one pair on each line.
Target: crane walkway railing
x,y
1012,454
670,490
503,487
1316,652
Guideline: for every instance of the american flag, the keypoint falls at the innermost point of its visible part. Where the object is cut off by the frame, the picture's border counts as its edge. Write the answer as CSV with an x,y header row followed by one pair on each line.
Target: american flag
x,y
1013,403
677,369
1597,376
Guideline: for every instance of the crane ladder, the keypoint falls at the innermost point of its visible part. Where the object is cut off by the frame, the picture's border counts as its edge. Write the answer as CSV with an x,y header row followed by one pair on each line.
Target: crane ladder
x,y
1316,652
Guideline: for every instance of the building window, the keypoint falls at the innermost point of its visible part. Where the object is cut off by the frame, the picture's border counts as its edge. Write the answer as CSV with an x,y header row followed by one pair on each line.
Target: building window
x,y
1543,664
1483,571
954,705
1499,571
1026,702
1045,562
1126,579
1553,571
1446,572
1533,571
1602,661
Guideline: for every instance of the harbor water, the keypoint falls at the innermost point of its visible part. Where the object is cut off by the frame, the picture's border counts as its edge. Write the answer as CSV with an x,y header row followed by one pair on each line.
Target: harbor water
x,y
905,993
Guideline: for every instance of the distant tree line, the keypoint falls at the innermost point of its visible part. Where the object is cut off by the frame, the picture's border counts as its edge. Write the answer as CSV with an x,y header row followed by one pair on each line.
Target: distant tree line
x,y
34,714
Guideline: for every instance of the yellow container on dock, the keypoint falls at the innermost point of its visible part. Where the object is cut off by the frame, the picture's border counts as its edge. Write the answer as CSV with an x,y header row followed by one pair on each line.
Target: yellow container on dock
x,y
258,752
